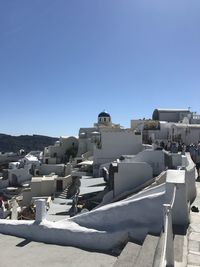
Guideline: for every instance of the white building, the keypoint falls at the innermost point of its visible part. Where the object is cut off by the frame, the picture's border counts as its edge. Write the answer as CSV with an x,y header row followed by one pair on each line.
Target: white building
x,y
86,137
22,171
61,151
89,136
171,115
186,133
45,186
170,124
114,143
134,171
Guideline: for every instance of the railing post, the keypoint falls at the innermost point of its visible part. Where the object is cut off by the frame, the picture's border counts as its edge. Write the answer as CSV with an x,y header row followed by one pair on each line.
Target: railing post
x,y
14,213
40,210
168,230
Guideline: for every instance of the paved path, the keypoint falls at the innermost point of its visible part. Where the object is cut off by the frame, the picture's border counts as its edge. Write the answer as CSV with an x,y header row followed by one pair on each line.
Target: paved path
x,y
18,252
193,257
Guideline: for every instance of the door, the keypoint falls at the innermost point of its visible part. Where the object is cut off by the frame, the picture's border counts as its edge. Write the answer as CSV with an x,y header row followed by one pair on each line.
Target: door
x,y
59,185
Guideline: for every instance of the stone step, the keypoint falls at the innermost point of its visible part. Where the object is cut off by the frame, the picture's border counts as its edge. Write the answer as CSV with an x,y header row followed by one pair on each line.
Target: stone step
x,y
63,197
128,255
180,232
146,254
64,193
178,247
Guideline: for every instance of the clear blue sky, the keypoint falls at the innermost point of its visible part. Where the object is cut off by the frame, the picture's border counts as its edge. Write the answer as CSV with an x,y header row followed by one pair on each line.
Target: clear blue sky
x,y
64,61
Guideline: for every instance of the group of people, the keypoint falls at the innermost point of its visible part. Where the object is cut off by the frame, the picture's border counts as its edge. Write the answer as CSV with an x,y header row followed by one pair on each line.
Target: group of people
x,y
193,149
173,147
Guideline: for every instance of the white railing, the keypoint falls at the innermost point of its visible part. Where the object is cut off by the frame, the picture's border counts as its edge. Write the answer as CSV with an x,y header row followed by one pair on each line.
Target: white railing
x,y
167,256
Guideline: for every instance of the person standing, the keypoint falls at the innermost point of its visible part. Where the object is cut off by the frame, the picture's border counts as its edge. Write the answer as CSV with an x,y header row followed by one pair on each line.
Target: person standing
x,y
198,158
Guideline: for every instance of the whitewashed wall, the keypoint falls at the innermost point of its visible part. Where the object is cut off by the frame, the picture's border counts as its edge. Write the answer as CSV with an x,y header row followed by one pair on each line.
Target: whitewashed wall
x,y
131,175
4,183
190,178
103,228
155,158
116,143
21,174
46,169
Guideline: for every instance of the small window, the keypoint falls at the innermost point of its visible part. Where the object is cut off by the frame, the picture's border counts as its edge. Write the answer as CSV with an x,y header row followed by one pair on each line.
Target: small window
x,y
104,119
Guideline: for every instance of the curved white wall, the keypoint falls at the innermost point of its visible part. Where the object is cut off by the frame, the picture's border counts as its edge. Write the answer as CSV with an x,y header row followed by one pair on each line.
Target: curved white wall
x,y
100,229
131,175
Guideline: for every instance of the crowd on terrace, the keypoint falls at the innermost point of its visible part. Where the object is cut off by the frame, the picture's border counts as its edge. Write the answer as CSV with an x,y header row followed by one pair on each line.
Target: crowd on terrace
x,y
175,147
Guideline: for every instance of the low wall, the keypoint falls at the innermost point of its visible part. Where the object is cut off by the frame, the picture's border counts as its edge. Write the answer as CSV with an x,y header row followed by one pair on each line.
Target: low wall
x,y
68,169
68,235
4,183
176,160
190,177
22,175
46,169
175,180
110,224
155,158
131,175
142,210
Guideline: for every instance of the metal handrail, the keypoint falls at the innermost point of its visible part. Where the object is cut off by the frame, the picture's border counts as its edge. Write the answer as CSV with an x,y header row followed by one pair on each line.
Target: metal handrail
x,y
167,257
173,197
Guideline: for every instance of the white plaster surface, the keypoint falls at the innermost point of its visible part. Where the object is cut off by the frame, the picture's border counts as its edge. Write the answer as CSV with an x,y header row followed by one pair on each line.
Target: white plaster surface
x,y
18,252
117,143
155,158
130,175
194,233
100,229
110,224
174,176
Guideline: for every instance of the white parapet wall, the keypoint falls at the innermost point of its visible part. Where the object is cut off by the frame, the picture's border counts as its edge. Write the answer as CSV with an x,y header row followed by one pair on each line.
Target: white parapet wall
x,y
190,177
130,175
176,178
46,169
108,226
19,176
155,158
101,229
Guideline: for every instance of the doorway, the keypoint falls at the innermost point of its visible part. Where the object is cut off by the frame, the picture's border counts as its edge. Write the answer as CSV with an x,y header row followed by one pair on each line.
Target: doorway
x,y
59,185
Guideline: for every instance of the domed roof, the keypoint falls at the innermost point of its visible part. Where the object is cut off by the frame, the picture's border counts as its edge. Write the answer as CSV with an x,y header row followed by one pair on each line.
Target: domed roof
x,y
103,114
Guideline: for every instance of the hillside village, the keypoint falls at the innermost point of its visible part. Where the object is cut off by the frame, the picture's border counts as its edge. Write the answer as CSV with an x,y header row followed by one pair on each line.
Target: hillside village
x,y
111,189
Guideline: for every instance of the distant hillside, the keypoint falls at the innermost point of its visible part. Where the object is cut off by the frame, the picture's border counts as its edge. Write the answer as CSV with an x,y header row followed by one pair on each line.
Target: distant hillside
x,y
9,143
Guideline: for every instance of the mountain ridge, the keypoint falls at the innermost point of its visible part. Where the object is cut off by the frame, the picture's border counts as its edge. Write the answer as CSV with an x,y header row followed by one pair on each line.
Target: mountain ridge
x,y
10,143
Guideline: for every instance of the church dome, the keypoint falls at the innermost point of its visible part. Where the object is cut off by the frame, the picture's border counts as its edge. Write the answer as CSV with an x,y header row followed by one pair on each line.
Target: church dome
x,y
104,118
103,114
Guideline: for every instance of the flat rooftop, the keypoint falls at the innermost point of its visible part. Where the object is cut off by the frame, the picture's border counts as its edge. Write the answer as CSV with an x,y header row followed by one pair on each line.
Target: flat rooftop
x,y
18,252
91,185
